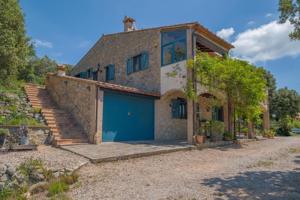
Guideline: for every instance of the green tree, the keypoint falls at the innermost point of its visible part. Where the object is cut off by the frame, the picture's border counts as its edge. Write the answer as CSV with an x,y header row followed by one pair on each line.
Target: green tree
x,y
286,103
290,11
243,83
15,48
37,69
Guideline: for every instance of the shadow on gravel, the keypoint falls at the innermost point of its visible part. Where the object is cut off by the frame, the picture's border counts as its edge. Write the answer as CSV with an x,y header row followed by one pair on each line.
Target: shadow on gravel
x,y
275,185
297,160
229,147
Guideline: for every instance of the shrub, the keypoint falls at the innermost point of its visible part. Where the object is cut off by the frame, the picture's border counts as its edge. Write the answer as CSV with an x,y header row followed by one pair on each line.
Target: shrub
x,y
30,168
269,133
285,127
227,136
13,193
295,124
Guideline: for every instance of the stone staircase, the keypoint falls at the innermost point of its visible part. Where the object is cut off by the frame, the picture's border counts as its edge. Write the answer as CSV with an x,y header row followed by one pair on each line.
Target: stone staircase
x,y
62,125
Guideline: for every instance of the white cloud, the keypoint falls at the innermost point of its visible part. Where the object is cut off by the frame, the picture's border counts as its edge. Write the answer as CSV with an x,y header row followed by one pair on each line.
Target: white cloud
x,y
268,42
269,15
41,43
226,33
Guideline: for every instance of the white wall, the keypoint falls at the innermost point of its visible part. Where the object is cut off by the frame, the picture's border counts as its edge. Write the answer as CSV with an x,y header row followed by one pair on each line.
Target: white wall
x,y
173,76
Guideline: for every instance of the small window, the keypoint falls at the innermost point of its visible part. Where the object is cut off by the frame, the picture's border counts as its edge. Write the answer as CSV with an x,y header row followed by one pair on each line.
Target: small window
x,y
138,63
110,72
179,108
217,113
83,75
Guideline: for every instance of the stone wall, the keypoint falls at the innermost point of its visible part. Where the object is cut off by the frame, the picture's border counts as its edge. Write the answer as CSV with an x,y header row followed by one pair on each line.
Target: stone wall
x,y
78,96
37,134
167,128
116,49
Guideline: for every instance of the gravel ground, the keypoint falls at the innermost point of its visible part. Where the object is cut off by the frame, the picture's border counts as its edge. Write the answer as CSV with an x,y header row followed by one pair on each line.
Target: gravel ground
x,y
53,158
266,169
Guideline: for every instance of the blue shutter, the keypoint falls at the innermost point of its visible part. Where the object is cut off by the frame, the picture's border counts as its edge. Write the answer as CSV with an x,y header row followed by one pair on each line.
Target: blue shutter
x,y
129,66
112,72
145,60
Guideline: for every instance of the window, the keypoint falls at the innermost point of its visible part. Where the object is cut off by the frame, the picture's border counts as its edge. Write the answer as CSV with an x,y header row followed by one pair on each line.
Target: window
x,y
83,74
179,108
173,46
110,72
138,63
217,113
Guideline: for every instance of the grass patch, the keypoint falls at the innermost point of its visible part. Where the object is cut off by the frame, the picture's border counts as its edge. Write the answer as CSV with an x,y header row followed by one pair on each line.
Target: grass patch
x,y
295,150
262,163
57,187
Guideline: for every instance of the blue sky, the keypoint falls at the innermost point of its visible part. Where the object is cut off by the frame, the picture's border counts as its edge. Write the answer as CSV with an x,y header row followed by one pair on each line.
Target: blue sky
x,y
65,29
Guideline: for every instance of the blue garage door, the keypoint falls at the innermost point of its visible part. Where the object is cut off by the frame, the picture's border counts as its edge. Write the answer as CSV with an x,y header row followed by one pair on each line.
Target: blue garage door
x,y
127,117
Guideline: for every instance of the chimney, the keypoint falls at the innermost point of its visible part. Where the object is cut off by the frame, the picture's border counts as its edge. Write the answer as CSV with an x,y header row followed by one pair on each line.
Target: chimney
x,y
129,24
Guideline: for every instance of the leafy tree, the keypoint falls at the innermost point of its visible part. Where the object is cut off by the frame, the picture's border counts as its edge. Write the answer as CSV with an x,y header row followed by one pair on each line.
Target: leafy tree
x,y
285,103
37,69
243,83
290,11
15,48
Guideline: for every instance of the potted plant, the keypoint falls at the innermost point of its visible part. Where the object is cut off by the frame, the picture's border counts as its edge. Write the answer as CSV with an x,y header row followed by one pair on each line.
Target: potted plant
x,y
200,137
3,134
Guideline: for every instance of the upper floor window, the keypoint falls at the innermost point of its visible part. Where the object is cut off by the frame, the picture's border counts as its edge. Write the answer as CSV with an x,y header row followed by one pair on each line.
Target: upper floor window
x,y
138,63
179,108
110,72
173,47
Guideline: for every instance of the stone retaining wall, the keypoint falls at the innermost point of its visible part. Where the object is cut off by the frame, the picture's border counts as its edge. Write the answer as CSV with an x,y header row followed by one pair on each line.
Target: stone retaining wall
x,y
78,96
37,134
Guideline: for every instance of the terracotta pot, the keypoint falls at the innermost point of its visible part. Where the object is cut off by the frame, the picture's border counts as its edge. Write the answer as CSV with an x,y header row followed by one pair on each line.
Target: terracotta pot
x,y
199,139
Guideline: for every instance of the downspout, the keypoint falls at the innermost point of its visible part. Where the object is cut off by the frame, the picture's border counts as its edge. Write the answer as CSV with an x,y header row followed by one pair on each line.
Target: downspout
x,y
97,123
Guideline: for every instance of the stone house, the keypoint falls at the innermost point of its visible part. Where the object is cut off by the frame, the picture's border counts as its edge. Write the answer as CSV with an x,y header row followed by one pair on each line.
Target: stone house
x,y
135,82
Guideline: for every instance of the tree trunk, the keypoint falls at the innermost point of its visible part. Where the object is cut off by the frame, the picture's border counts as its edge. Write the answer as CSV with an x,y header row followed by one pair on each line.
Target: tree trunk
x,y
229,115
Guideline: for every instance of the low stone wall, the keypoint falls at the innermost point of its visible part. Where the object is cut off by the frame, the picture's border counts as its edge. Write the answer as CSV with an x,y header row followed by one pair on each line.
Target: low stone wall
x,y
78,96
37,134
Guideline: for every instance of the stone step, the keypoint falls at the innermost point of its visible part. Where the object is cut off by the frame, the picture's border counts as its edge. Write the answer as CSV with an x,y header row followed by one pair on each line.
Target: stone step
x,y
62,125
62,142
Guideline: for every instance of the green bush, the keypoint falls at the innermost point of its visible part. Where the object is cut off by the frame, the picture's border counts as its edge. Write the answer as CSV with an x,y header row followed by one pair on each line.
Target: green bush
x,y
268,133
285,126
295,124
227,136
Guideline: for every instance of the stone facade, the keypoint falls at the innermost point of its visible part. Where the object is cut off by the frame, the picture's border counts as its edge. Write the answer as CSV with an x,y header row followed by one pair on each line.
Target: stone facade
x,y
116,49
167,128
78,96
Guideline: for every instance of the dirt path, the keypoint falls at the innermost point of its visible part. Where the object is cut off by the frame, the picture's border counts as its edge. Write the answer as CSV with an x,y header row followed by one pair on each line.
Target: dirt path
x,y
268,169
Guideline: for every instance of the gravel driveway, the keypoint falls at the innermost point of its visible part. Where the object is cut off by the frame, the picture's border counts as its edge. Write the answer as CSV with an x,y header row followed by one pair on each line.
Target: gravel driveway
x,y
268,169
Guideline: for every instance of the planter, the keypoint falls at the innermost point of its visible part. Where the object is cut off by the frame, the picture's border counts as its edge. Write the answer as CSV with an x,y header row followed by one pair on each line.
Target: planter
x,y
199,139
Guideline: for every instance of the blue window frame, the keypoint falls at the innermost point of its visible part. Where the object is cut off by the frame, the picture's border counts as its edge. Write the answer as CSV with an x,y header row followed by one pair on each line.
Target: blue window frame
x,y
218,113
138,63
173,47
110,72
179,108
